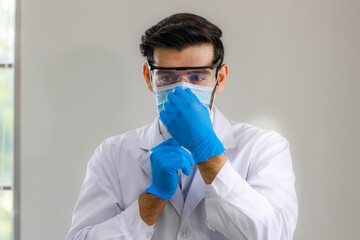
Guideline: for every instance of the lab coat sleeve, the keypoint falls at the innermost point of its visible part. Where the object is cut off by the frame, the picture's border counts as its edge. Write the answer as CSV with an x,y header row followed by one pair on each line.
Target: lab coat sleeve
x,y
264,206
97,214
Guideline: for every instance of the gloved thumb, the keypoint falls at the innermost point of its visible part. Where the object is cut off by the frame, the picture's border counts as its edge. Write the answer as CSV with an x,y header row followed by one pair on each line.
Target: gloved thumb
x,y
186,168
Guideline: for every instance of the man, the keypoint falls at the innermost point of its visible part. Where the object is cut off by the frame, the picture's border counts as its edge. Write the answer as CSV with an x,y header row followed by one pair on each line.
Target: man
x,y
191,174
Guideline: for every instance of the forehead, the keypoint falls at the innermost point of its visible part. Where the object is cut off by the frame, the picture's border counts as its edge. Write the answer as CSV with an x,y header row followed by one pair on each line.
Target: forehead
x,y
194,56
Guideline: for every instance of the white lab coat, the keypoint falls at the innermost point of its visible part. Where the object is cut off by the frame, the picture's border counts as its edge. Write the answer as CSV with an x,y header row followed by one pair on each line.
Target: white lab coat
x,y
252,196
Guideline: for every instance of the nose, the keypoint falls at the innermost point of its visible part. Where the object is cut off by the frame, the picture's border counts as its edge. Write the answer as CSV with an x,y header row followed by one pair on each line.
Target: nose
x,y
182,79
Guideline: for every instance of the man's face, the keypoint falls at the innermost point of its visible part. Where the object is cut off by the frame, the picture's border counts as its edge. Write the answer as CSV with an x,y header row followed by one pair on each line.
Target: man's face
x,y
194,56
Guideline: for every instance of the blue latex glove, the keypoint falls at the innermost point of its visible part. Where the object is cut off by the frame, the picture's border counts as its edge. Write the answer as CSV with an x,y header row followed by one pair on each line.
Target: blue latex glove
x,y
166,159
188,121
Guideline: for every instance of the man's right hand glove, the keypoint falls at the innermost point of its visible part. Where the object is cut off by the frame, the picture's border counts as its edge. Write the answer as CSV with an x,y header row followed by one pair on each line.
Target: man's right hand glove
x,y
188,121
166,159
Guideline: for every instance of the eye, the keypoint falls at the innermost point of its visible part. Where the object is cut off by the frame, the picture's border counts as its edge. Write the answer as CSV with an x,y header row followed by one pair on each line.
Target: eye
x,y
196,77
166,78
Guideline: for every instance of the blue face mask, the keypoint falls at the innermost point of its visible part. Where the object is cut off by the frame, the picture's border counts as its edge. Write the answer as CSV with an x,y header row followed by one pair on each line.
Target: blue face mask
x,y
203,93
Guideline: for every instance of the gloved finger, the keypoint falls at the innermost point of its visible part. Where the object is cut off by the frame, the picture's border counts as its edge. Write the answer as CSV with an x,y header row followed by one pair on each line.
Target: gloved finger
x,y
186,167
188,91
173,99
165,117
188,155
181,151
167,155
169,107
178,91
185,159
179,161
167,147
170,144
182,99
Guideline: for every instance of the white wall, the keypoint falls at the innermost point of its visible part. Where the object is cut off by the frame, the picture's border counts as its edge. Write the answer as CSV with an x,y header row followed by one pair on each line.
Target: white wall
x,y
294,68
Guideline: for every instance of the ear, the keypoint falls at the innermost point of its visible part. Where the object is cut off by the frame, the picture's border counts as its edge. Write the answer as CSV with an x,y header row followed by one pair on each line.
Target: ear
x,y
222,77
146,75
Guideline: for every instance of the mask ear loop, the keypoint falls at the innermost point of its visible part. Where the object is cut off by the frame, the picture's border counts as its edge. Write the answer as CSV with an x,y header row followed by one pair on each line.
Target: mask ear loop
x,y
212,99
151,77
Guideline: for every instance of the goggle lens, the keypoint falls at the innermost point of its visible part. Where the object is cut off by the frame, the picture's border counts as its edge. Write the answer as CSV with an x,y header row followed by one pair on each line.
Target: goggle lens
x,y
164,77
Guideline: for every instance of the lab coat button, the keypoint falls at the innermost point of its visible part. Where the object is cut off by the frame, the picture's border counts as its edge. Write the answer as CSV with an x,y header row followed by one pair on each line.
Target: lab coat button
x,y
207,194
148,235
185,232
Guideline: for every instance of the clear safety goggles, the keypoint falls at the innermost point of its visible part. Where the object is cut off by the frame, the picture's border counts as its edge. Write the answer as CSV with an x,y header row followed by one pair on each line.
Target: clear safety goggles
x,y
203,76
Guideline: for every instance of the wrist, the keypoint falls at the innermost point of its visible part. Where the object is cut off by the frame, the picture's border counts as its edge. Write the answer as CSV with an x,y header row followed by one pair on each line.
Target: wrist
x,y
150,208
158,193
210,168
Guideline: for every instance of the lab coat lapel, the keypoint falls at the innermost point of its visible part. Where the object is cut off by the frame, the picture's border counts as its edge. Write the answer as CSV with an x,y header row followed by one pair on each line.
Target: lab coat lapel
x,y
194,196
150,135
223,130
150,138
177,201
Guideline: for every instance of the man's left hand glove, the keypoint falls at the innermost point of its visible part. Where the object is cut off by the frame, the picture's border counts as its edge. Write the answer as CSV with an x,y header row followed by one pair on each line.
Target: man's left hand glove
x,y
188,121
166,159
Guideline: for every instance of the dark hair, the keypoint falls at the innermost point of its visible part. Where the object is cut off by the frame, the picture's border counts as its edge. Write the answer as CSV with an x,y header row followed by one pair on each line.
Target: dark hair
x,y
180,31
